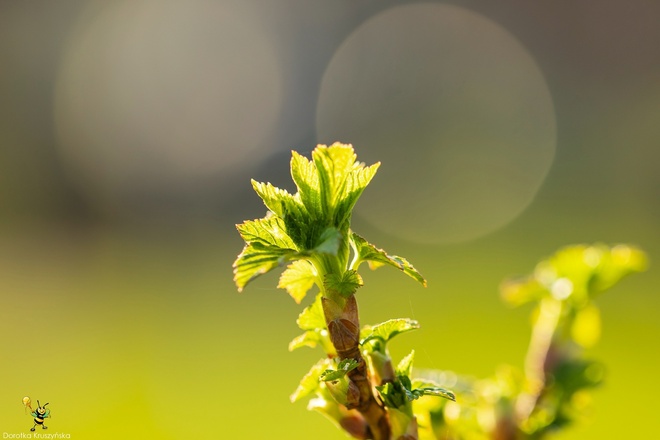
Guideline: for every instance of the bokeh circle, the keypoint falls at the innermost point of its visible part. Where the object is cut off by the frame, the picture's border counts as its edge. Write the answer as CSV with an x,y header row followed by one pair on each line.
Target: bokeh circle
x,y
455,108
158,98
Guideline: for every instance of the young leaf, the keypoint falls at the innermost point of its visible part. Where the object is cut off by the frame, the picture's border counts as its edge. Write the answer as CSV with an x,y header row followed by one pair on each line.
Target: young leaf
x,y
312,339
269,231
345,284
267,247
256,260
388,329
329,241
342,179
405,365
392,395
422,387
343,368
310,384
436,391
366,251
297,279
277,200
305,176
312,316
312,320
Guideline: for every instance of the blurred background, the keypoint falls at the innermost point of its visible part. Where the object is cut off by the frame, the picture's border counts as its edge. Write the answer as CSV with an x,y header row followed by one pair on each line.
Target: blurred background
x,y
129,131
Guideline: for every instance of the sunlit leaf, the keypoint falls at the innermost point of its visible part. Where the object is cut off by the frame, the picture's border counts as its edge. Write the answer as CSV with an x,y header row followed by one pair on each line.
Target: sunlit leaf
x,y
423,387
310,384
267,247
388,329
297,279
344,284
342,370
437,392
268,231
305,176
342,179
314,338
312,316
277,200
405,365
370,253
257,259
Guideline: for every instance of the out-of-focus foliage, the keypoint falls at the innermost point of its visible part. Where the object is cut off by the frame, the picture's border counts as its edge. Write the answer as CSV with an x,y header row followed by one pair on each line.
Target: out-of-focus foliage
x,y
553,387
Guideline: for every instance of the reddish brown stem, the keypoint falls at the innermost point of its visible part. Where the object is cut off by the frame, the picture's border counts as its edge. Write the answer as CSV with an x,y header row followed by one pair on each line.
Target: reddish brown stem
x,y
344,328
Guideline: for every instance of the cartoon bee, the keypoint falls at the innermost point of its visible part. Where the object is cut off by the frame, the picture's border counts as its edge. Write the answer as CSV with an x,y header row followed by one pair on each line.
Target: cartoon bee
x,y
40,414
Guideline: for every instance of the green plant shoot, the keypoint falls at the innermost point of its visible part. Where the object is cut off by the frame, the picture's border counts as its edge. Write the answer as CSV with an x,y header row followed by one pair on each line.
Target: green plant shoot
x,y
310,233
356,385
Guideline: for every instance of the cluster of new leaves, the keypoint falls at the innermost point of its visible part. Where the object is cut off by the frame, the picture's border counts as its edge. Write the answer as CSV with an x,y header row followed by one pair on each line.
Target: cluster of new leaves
x,y
309,232
552,389
326,382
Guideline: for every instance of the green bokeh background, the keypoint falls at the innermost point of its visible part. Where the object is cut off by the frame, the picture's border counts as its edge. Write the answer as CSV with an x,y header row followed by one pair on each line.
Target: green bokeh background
x,y
124,316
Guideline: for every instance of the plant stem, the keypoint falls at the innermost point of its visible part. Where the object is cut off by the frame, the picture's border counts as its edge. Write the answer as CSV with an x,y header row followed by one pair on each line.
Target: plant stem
x,y
539,356
344,328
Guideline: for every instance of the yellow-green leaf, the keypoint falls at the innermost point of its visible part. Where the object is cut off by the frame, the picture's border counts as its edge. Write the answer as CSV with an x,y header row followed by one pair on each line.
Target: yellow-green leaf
x,y
297,279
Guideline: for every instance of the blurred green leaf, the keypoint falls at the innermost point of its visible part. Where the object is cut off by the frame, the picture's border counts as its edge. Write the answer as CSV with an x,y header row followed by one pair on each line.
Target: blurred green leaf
x,y
616,263
575,274
400,422
522,290
574,374
585,328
